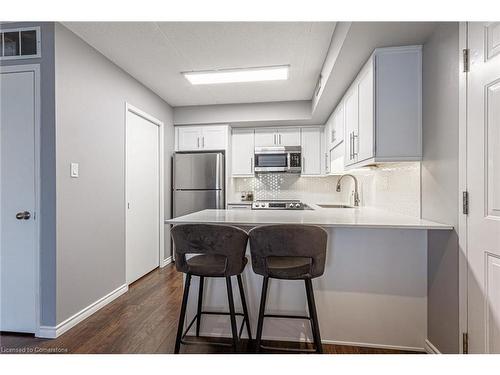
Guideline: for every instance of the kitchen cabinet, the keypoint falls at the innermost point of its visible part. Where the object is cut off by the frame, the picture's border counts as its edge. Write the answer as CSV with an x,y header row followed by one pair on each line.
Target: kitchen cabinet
x,y
383,109
350,124
311,151
243,148
277,137
201,138
334,128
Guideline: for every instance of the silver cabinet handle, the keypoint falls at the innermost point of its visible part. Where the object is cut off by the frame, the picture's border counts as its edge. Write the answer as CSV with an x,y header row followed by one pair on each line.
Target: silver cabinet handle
x,y
251,165
203,141
326,161
350,146
303,163
354,138
25,215
198,142
280,137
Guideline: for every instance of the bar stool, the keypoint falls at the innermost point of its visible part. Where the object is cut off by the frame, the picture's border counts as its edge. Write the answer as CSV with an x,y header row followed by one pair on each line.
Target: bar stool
x,y
219,251
289,252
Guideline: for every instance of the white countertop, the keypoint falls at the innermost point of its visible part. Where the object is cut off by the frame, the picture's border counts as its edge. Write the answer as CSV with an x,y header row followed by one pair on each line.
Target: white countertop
x,y
363,217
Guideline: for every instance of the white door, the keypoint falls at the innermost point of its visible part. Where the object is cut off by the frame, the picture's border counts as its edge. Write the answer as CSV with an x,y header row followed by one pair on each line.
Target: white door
x,y
351,124
311,151
265,137
143,196
242,143
364,141
18,122
483,184
214,137
289,137
189,138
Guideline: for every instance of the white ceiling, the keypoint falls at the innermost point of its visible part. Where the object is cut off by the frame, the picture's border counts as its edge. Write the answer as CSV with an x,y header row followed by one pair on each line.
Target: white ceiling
x,y
156,53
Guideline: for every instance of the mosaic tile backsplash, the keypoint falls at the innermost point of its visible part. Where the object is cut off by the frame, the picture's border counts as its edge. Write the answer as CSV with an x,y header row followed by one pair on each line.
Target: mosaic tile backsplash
x,y
394,187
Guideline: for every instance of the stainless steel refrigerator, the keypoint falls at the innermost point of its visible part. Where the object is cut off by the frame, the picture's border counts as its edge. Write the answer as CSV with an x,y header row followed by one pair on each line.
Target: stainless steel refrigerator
x,y
198,182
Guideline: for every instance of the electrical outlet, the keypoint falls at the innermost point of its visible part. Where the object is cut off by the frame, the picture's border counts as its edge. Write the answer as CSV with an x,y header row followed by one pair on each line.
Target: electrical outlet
x,y
74,170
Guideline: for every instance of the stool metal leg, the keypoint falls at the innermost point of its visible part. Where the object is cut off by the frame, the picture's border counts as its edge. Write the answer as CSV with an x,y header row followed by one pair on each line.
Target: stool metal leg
x,y
200,304
182,316
314,315
262,310
232,313
245,309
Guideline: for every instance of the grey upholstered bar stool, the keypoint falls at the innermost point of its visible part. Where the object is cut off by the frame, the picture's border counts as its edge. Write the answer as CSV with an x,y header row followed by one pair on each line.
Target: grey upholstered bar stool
x,y
289,252
218,251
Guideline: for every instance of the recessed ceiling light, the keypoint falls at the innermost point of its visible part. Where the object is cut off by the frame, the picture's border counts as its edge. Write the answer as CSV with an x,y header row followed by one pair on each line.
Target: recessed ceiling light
x,y
265,73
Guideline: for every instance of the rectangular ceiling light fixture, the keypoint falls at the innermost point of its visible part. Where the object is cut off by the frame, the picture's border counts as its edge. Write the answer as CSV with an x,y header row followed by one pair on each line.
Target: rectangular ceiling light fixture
x,y
265,73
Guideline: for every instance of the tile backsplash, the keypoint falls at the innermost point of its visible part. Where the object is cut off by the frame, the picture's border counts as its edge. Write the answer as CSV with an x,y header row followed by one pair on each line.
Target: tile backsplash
x,y
394,187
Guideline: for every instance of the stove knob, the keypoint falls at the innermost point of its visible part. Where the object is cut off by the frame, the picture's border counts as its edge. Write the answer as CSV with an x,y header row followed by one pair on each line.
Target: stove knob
x,y
291,205
297,205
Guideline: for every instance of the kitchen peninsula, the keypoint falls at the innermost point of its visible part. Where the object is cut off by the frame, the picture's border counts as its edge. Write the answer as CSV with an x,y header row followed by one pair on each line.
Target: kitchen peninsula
x,y
373,291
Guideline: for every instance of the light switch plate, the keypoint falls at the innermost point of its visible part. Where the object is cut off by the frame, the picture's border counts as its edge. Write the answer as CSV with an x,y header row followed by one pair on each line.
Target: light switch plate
x,y
74,170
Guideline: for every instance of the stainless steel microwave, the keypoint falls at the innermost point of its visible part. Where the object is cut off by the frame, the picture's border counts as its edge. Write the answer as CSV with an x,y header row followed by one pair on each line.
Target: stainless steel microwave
x,y
286,159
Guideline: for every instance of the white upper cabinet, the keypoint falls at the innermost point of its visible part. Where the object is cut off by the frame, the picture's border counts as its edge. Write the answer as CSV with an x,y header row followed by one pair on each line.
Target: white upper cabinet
x,y
242,142
201,138
277,137
364,145
265,137
288,137
311,151
350,124
334,129
383,109
188,138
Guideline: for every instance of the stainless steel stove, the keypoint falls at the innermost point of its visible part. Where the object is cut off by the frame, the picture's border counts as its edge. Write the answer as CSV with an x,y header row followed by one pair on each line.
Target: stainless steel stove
x,y
278,204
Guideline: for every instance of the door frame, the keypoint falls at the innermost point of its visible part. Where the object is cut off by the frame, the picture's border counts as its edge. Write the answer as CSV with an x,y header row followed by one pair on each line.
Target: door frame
x,y
35,68
161,162
463,268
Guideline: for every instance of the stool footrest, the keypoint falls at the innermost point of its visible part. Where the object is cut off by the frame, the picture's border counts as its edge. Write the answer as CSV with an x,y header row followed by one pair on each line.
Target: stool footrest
x,y
212,313
283,316
294,350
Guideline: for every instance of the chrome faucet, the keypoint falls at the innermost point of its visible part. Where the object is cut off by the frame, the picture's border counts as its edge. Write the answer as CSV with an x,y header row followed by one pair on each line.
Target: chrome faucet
x,y
356,194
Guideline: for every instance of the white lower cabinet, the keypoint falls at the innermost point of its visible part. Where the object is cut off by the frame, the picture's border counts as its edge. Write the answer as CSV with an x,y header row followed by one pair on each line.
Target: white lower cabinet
x,y
242,157
311,151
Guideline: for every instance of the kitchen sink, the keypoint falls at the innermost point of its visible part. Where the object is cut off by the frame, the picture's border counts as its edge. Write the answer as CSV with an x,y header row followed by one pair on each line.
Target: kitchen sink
x,y
335,206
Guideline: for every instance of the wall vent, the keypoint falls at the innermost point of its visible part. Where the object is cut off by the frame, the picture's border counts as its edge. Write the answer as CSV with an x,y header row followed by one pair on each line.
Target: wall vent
x,y
20,43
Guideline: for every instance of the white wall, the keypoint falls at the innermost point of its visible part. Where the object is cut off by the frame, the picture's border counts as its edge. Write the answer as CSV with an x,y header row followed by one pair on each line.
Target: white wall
x,y
270,112
440,182
90,125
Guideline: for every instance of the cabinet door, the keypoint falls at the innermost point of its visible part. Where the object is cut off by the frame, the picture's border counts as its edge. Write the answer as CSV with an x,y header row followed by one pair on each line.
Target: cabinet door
x,y
288,137
242,143
364,146
189,138
337,135
214,138
265,137
311,151
329,133
350,124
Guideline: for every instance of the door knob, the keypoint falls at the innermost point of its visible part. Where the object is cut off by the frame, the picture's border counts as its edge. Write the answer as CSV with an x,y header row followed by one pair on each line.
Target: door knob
x,y
23,215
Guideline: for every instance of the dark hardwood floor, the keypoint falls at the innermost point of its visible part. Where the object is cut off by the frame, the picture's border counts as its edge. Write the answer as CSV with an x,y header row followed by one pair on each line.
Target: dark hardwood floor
x,y
144,320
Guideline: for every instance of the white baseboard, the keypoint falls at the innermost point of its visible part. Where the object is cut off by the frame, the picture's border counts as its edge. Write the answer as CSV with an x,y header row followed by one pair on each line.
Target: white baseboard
x,y
165,262
430,348
333,342
52,332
